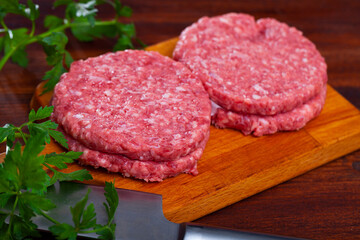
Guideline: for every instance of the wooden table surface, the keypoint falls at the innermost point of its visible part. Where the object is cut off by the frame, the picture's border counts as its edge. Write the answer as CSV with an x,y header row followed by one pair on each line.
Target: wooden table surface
x,y
321,204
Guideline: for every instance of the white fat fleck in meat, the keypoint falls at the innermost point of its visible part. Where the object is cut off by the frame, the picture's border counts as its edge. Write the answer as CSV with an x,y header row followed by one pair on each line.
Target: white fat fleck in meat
x,y
255,96
264,122
98,111
77,93
79,116
108,93
150,120
95,79
177,136
224,20
214,75
203,64
181,89
89,106
106,114
166,95
193,38
214,108
258,88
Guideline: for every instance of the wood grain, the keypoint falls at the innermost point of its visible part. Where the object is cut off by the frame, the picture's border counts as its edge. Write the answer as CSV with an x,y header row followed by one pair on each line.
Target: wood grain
x,y
234,166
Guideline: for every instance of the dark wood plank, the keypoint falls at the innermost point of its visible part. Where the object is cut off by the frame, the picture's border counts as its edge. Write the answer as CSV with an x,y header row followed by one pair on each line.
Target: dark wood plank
x,y
322,204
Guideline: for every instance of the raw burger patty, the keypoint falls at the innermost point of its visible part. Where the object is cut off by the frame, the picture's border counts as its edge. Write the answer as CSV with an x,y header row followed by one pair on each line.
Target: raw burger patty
x,y
146,170
260,125
136,103
259,67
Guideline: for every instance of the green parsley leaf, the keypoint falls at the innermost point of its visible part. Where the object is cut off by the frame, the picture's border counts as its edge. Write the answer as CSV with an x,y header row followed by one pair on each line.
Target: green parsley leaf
x,y
23,228
51,22
78,209
88,218
53,76
32,175
106,233
82,33
68,59
5,197
59,137
64,231
6,131
13,6
2,12
10,179
79,175
20,57
35,202
112,199
59,160
122,11
11,40
54,47
57,40
41,113
70,11
37,128
33,11
123,43
125,11
3,216
127,29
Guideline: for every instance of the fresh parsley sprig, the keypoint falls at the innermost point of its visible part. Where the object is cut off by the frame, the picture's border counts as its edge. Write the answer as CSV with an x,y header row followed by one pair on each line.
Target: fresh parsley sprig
x,y
79,17
84,219
24,182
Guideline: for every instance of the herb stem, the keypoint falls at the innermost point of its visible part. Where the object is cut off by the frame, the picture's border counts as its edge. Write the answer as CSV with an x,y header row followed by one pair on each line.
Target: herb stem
x,y
53,170
23,136
95,230
3,24
6,57
49,218
32,28
12,214
49,167
39,37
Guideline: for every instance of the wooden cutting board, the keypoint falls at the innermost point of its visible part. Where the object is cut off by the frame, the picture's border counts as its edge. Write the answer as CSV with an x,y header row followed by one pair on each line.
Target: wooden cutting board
x,y
234,166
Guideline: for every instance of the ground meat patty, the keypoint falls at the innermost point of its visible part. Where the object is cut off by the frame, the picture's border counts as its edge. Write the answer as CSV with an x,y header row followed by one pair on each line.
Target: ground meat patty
x,y
259,67
136,103
150,171
260,125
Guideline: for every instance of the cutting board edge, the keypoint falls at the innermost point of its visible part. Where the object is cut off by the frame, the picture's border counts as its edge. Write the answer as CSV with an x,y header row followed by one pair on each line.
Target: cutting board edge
x,y
232,192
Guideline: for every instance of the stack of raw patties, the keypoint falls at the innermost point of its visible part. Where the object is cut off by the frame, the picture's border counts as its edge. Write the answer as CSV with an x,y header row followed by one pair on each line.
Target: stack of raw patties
x,y
134,112
262,76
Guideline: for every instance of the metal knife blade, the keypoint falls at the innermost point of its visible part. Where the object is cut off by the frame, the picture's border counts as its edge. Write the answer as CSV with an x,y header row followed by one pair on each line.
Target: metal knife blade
x,y
139,216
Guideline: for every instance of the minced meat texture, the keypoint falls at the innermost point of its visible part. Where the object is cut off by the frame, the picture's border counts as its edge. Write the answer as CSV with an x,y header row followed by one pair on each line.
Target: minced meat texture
x,y
136,103
261,67
150,171
259,125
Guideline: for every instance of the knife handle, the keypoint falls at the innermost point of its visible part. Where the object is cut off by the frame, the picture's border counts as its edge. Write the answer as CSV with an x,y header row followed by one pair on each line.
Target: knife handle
x,y
190,231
